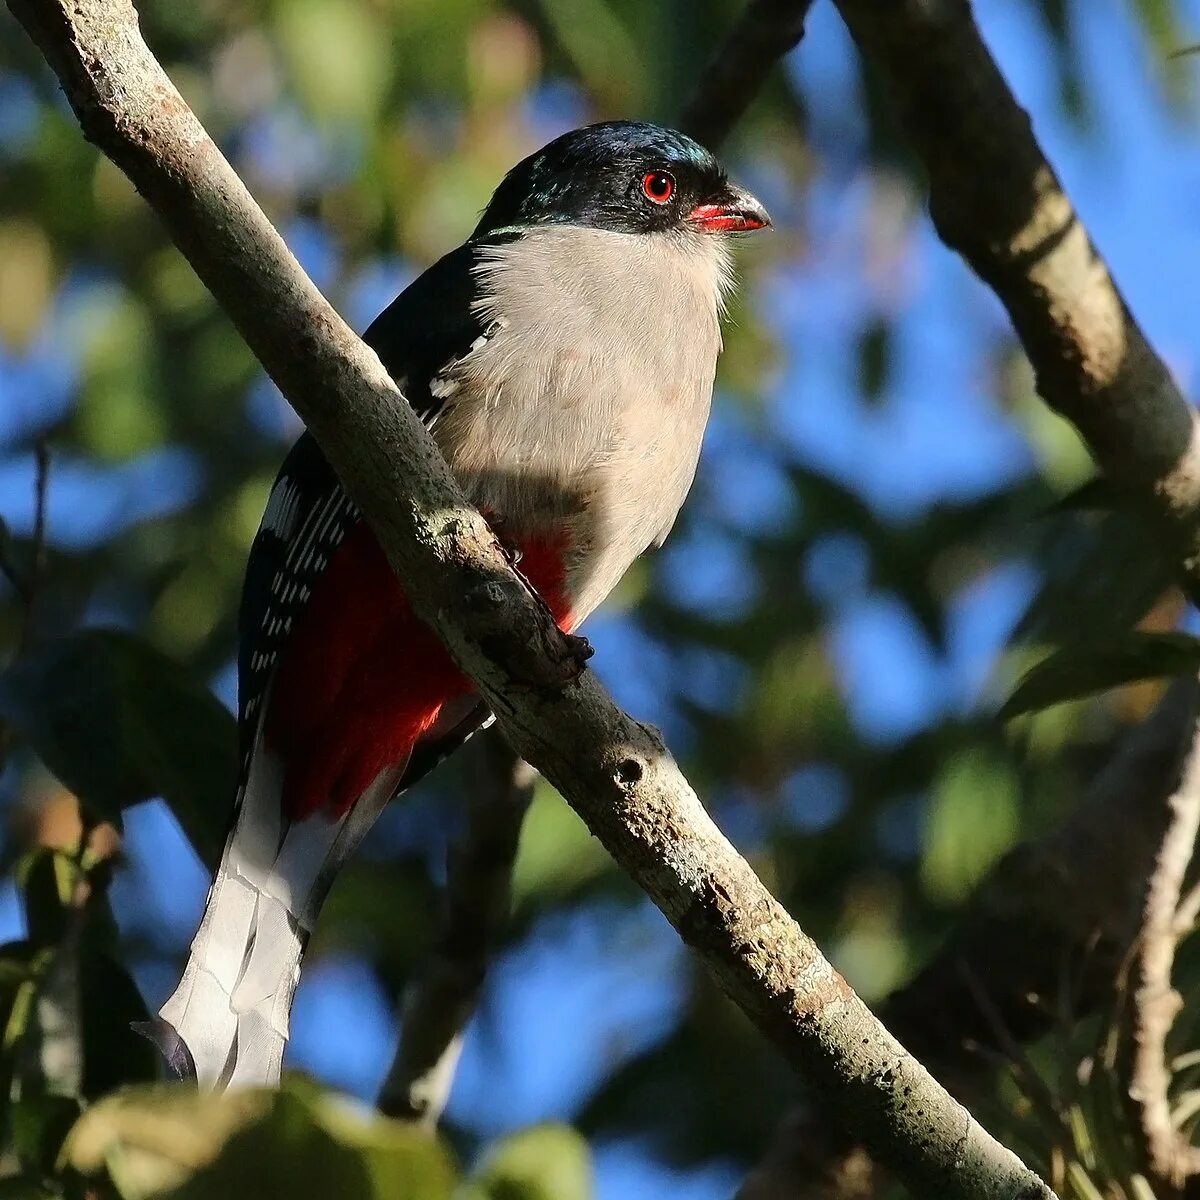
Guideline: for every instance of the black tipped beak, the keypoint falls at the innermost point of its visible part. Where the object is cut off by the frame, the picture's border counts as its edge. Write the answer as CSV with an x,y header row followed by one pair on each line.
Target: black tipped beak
x,y
735,210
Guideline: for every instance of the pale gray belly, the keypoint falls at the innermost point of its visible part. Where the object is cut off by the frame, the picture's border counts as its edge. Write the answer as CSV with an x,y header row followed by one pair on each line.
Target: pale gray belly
x,y
598,459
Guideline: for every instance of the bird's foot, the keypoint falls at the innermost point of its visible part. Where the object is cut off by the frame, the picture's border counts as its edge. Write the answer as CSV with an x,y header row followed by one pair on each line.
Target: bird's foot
x,y
579,649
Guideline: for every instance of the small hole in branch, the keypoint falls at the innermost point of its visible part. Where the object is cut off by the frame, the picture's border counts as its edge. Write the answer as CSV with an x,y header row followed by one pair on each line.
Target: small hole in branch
x,y
629,771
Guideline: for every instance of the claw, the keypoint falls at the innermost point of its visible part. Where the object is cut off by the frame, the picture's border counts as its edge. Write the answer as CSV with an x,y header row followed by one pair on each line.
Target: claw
x,y
509,546
578,648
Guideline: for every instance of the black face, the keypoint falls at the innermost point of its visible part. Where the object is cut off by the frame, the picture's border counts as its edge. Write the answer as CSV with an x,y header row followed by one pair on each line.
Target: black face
x,y
624,176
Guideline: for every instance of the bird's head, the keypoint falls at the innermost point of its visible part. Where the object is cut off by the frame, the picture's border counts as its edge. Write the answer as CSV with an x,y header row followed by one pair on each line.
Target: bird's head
x,y
626,177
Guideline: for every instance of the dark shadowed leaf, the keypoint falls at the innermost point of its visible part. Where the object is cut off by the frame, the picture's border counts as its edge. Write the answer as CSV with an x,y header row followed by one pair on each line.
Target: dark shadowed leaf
x,y
39,1124
47,879
1101,575
1078,671
118,723
110,1003
25,1189
76,1039
17,968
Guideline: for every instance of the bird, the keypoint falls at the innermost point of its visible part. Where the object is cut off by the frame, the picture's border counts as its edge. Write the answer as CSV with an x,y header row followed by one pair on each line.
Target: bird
x,y
563,360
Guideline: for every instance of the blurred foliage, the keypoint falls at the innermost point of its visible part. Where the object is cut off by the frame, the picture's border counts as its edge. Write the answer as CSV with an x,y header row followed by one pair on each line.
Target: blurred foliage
x,y
373,132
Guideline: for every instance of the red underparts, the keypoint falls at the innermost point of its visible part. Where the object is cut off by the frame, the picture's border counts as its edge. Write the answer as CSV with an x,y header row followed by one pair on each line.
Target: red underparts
x,y
362,679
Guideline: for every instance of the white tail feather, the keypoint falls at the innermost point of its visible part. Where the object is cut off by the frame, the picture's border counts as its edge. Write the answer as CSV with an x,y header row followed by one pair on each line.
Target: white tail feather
x,y
232,1006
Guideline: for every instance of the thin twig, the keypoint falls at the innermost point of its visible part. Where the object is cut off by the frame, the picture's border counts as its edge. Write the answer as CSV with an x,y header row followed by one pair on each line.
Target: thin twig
x,y
477,900
37,570
1170,1157
26,584
1188,911
996,200
765,32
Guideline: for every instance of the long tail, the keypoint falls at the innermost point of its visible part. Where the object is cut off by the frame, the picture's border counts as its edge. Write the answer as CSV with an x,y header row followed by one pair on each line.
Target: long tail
x,y
227,1022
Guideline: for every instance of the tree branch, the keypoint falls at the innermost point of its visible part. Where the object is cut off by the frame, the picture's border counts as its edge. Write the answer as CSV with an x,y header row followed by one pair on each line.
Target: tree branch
x,y
1170,1157
614,771
477,900
995,199
766,31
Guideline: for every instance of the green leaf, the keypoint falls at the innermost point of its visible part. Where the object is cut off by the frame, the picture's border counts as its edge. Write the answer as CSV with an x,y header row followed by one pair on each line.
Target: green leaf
x,y
557,854
288,1145
337,55
972,819
73,1035
119,723
604,52
547,1162
1077,671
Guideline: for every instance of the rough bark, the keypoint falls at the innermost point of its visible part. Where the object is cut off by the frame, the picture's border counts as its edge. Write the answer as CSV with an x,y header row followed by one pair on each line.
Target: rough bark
x,y
1049,930
443,1000
613,770
1169,1156
995,199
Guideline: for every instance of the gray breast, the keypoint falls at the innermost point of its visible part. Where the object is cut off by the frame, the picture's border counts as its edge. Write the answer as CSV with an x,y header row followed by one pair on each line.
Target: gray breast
x,y
587,404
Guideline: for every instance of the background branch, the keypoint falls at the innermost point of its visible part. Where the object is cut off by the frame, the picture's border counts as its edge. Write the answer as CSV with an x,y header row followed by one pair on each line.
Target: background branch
x,y
995,199
477,900
765,32
614,771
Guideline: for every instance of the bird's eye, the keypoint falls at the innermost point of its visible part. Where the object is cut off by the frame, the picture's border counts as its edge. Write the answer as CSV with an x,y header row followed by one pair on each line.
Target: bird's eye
x,y
658,186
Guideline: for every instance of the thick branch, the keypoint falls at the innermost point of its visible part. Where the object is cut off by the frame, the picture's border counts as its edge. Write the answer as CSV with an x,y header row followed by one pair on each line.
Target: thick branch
x,y
995,199
1170,1157
614,771
765,32
477,900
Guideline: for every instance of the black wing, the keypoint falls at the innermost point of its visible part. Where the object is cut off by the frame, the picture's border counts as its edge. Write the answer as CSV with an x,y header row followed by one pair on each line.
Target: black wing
x,y
418,338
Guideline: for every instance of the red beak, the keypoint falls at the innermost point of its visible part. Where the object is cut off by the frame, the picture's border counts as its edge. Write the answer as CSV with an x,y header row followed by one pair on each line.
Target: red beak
x,y
733,211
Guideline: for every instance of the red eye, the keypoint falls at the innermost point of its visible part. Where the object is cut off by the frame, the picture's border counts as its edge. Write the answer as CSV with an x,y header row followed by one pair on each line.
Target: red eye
x,y
658,186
